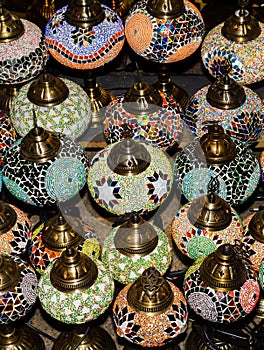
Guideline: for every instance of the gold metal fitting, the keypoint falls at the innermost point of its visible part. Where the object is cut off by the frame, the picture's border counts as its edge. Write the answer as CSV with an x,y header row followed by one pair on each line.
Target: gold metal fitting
x,y
136,237
128,157
84,13
150,294
8,217
11,26
9,273
210,212
73,271
216,146
47,91
256,226
166,9
223,270
121,7
241,27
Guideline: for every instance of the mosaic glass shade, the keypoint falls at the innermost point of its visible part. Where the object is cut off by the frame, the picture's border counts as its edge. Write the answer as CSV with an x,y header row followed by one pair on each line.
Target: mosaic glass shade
x,y
196,242
24,58
55,180
162,128
121,194
7,135
149,329
84,48
16,236
261,159
71,117
261,275
221,305
19,298
244,123
164,40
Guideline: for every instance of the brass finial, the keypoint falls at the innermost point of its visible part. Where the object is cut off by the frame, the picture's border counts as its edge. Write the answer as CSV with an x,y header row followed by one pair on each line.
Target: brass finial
x,y
241,27
210,212
47,91
166,9
216,146
256,226
84,13
57,234
11,26
73,271
39,145
128,157
8,217
223,270
136,237
151,293
9,273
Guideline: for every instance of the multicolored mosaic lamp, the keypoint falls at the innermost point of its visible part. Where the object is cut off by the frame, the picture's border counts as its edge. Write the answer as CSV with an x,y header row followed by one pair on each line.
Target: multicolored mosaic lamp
x,y
239,110
44,168
7,135
165,31
261,160
60,104
217,163
130,176
86,35
221,287
23,54
202,225
240,40
133,247
144,113
151,311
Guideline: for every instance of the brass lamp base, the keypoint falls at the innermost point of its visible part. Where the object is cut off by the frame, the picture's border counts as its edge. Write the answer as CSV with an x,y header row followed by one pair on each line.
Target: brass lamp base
x,y
96,339
6,96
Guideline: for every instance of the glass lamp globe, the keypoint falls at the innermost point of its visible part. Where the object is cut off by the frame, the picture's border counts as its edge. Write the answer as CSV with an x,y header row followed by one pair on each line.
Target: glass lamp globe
x,y
7,135
221,287
202,225
217,163
239,110
145,114
240,40
50,239
133,247
130,176
261,275
151,311
261,160
60,104
75,288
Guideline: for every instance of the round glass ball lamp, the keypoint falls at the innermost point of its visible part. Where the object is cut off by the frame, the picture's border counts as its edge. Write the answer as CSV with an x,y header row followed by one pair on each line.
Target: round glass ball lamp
x,y
204,224
156,310
7,135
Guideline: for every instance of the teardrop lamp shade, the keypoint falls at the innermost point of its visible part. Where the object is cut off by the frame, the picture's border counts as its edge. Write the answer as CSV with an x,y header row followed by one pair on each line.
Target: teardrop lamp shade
x,y
164,40
84,48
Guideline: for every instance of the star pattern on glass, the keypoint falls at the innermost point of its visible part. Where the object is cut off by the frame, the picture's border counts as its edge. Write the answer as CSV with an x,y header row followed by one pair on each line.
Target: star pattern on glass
x,y
83,36
107,192
158,186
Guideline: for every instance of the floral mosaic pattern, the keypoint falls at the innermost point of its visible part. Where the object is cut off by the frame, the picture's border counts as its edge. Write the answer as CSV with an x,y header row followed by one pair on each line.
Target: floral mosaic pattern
x,y
72,117
246,59
84,48
164,40
150,330
7,135
122,194
24,58
81,306
125,269
246,123
195,242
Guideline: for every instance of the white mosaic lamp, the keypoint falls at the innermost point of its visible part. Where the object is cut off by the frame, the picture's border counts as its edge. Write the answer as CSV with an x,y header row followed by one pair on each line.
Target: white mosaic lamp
x,y
240,39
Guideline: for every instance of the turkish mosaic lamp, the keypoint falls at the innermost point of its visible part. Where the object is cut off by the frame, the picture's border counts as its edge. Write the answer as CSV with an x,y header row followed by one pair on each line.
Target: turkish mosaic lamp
x,y
51,238
239,110
221,287
144,113
205,223
261,160
129,176
44,168
165,31
240,40
217,163
23,54
60,104
134,246
151,311
7,135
